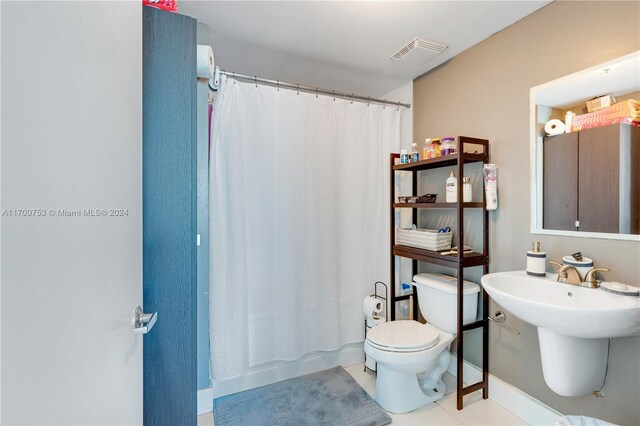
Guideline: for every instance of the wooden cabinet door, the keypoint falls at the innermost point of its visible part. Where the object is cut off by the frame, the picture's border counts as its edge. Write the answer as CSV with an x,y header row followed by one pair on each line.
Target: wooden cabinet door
x,y
599,179
560,182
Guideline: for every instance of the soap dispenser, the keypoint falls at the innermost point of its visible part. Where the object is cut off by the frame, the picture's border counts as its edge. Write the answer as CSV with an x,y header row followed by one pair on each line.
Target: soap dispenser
x,y
536,261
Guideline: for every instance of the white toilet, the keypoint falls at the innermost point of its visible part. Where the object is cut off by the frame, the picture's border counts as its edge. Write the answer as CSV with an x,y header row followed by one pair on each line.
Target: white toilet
x,y
412,357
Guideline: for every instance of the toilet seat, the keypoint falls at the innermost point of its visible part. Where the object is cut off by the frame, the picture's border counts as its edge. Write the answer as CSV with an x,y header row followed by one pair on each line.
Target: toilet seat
x,y
403,336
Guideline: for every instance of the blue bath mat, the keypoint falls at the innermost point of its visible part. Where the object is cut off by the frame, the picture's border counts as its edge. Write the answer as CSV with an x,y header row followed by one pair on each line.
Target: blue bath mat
x,y
330,397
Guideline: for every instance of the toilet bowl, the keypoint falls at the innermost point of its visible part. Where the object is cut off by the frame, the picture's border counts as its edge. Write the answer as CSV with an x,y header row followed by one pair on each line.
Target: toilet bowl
x,y
411,357
404,350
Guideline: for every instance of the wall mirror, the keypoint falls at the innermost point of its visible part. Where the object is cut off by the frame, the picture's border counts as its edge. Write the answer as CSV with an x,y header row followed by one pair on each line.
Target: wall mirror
x,y
585,164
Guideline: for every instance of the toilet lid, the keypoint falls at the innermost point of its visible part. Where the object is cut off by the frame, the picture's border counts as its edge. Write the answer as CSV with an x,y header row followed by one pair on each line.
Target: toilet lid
x,y
403,335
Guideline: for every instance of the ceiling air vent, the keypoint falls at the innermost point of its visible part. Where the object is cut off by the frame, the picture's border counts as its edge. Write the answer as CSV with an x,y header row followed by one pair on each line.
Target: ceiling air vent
x,y
419,51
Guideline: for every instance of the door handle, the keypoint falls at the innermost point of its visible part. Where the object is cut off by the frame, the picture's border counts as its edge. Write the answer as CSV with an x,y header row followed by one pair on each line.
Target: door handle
x,y
143,323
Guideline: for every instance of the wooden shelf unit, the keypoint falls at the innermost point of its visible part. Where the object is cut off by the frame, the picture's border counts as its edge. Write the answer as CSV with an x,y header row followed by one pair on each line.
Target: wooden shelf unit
x,y
457,262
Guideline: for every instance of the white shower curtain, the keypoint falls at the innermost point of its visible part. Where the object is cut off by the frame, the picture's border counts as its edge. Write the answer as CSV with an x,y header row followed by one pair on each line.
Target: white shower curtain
x,y
299,221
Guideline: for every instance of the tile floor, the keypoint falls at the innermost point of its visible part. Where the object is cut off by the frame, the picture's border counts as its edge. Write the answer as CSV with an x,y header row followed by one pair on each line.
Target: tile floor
x,y
477,411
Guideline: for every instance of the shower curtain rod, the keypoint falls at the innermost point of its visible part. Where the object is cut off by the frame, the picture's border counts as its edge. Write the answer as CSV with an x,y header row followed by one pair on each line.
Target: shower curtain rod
x,y
309,89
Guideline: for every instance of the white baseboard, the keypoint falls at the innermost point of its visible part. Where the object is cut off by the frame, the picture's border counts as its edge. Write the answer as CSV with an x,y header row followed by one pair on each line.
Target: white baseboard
x,y
509,397
261,376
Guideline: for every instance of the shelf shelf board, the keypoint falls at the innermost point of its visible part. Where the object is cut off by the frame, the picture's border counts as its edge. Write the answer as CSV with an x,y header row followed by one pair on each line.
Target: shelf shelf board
x,y
403,297
437,205
472,326
469,259
447,160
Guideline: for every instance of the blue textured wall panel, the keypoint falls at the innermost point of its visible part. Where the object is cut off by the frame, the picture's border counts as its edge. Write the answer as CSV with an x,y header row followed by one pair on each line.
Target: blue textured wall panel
x,y
169,216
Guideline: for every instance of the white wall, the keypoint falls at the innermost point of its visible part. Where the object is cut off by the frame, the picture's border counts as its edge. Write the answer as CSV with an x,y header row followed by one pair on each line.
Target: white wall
x,y
403,94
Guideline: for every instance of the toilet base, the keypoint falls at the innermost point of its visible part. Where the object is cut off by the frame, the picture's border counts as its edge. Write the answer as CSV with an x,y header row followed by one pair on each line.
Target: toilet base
x,y
400,392
412,396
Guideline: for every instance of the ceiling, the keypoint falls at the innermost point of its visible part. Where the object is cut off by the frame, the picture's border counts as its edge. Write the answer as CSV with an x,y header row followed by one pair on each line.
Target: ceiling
x,y
345,45
617,77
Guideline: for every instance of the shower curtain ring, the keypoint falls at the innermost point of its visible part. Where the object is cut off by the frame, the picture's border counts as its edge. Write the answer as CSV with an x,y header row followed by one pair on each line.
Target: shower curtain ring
x,y
278,85
298,89
369,101
316,92
255,79
352,99
334,95
385,104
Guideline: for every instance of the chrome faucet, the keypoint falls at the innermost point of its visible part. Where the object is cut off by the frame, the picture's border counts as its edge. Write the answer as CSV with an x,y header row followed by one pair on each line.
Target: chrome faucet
x,y
568,274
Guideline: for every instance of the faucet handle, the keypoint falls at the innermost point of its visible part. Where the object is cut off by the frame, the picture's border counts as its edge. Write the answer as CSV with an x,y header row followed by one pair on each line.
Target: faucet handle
x,y
559,265
561,270
590,279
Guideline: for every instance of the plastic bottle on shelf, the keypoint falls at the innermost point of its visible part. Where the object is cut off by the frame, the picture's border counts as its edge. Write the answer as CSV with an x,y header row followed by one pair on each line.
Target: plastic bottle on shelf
x,y
448,146
437,150
404,157
415,156
426,149
452,188
466,189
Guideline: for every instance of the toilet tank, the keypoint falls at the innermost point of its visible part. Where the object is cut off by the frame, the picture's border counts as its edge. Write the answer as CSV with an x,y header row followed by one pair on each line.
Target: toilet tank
x,y
437,298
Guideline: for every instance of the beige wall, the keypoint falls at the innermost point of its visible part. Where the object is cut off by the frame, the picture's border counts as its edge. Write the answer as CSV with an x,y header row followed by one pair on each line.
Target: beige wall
x,y
484,92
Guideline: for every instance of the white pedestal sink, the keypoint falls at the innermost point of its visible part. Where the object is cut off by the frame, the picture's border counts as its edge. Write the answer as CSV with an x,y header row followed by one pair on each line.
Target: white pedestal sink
x,y
574,325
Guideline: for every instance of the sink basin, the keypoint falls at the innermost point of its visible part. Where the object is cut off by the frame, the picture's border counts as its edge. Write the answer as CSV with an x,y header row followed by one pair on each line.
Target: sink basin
x,y
574,325
564,308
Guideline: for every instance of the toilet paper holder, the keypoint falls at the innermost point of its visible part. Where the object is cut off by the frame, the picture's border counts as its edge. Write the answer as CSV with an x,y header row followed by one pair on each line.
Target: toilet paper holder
x,y
378,294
